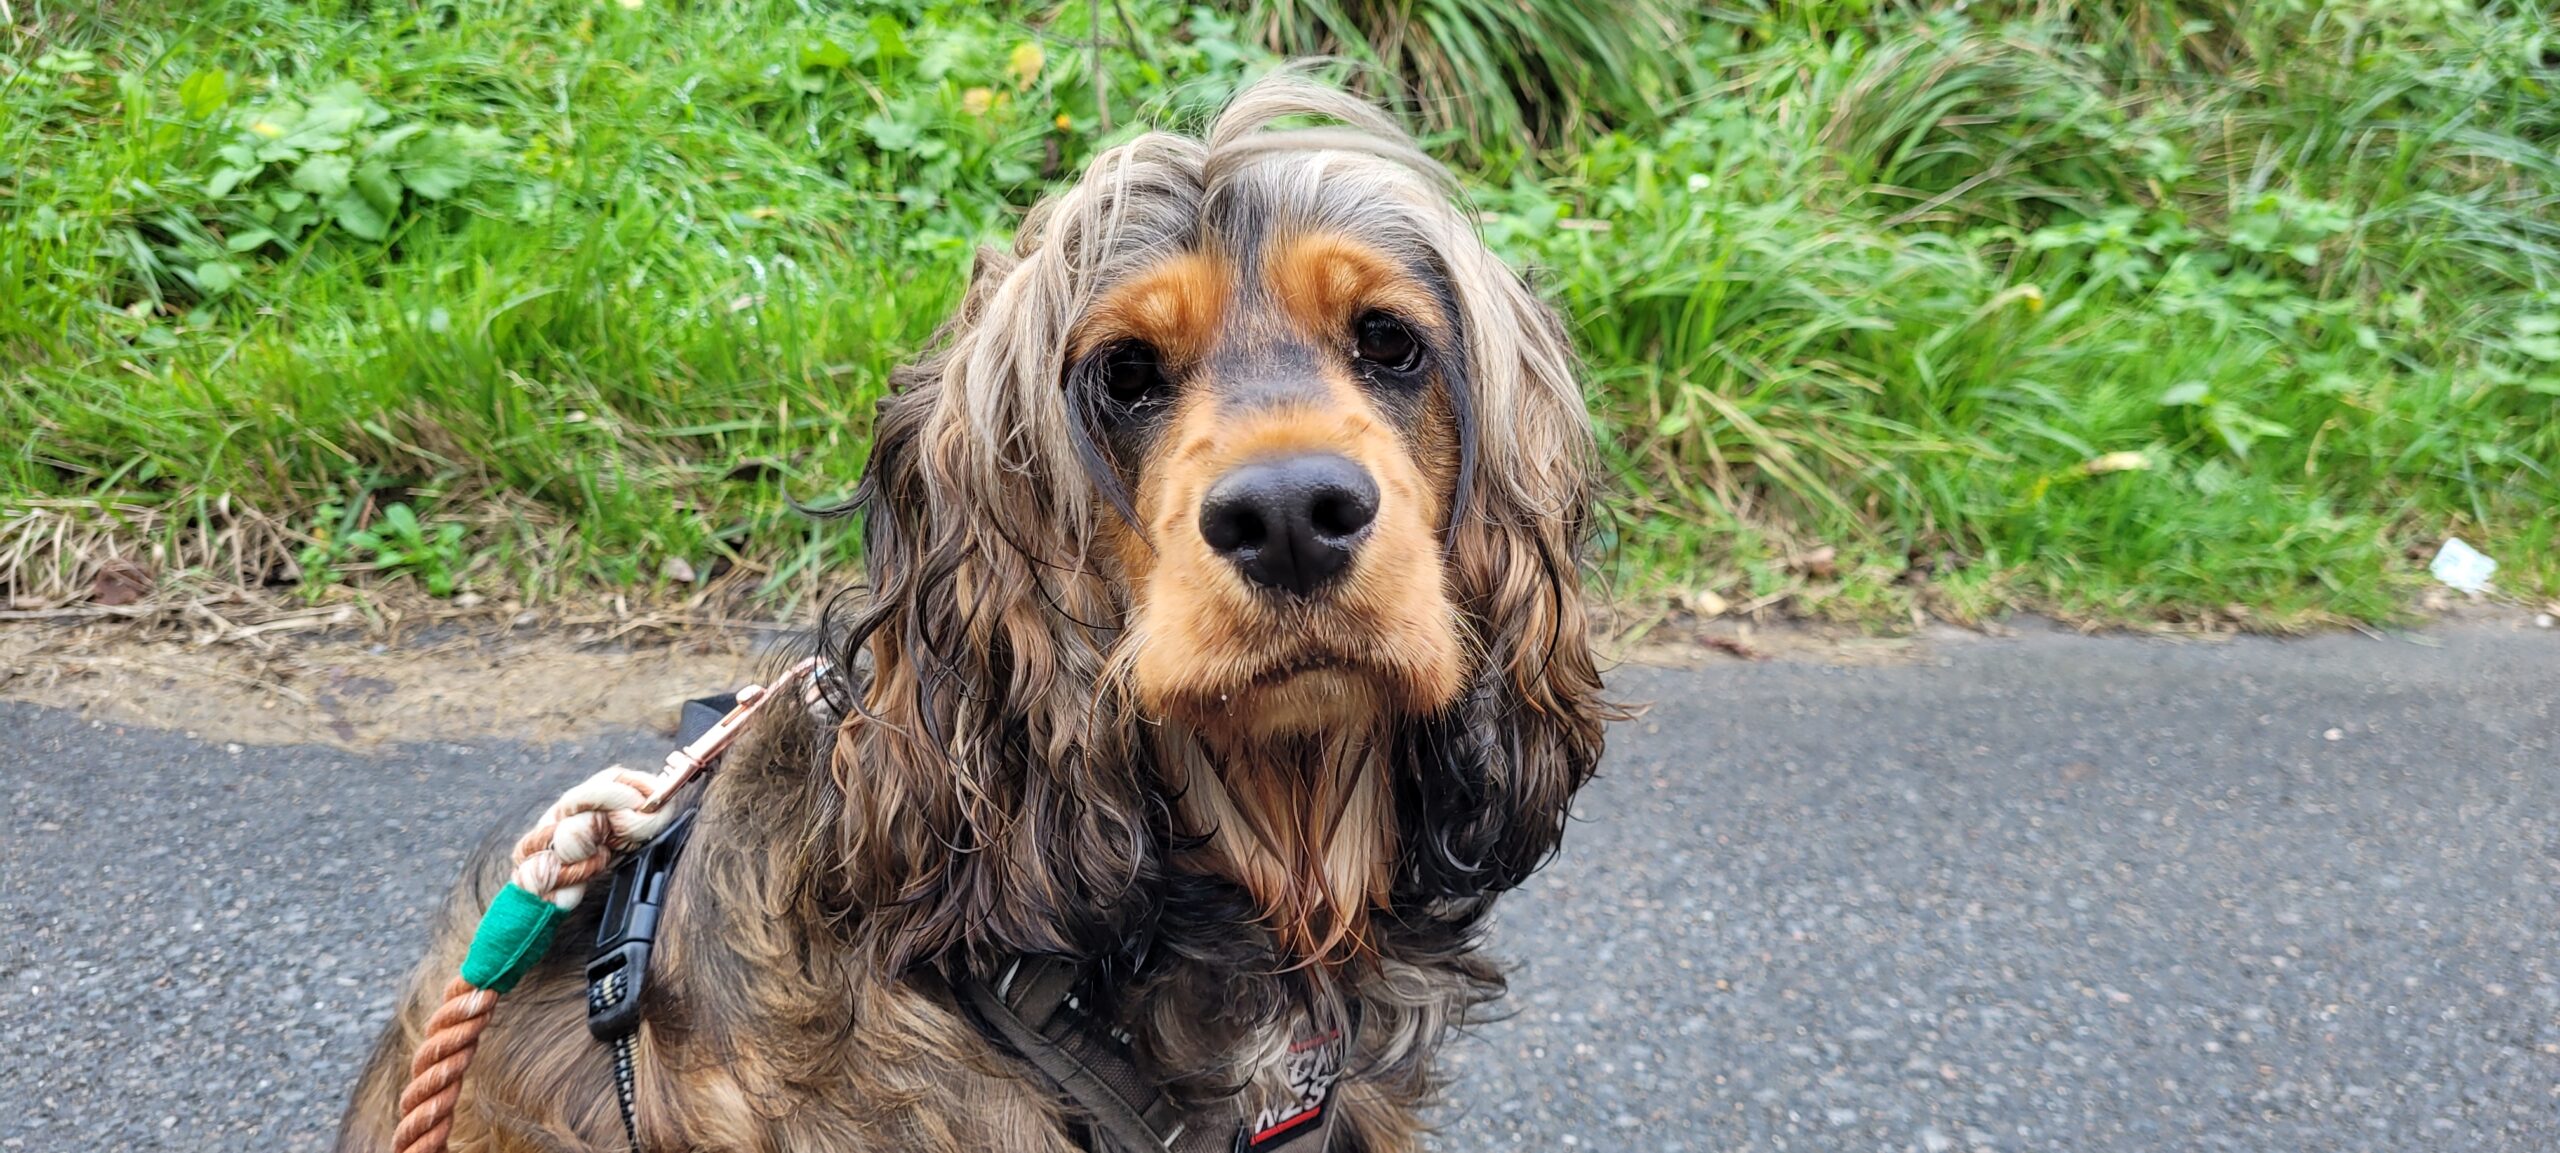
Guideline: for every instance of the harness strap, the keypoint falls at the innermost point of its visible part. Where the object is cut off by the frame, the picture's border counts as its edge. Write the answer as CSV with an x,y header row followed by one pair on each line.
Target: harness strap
x,y
626,1092
1034,1012
1041,993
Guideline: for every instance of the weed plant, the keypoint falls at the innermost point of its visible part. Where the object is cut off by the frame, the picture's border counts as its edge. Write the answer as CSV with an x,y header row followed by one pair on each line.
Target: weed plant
x,y
2182,311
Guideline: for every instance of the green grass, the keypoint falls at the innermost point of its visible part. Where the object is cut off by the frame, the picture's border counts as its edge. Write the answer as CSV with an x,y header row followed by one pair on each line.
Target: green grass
x,y
2129,311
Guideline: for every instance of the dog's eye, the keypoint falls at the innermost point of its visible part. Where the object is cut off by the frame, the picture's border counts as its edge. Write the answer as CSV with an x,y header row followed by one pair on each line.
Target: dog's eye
x,y
1384,341
1133,377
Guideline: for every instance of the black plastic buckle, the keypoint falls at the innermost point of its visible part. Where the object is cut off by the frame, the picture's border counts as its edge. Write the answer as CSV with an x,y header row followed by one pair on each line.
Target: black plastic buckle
x,y
619,967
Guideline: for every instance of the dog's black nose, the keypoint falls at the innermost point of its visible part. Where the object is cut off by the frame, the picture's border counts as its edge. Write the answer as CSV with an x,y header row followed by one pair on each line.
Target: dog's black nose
x,y
1290,525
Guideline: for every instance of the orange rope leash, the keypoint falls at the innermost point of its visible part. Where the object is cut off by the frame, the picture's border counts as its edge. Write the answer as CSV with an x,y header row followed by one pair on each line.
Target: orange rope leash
x,y
615,810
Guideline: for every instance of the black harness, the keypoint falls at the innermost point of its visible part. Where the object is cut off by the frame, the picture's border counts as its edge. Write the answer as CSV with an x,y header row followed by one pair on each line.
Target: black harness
x,y
1035,1012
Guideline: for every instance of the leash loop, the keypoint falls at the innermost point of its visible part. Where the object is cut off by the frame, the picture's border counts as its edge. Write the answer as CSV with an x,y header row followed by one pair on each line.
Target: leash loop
x,y
615,811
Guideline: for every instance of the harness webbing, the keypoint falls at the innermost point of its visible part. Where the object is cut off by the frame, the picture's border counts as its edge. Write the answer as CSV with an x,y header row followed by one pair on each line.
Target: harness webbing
x,y
1035,1011
1035,1014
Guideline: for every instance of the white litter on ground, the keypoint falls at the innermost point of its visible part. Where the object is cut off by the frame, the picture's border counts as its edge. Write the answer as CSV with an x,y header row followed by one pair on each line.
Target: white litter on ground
x,y
2463,567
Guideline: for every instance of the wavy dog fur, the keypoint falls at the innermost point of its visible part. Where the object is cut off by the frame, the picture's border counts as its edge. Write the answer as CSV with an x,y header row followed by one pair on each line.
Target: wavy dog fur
x,y
1031,758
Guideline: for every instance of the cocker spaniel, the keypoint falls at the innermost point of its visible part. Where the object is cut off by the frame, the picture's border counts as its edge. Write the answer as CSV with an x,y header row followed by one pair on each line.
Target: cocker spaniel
x,y
1223,656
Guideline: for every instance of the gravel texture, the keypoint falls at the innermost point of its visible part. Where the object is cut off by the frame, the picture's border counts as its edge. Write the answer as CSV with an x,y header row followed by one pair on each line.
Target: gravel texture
x,y
2049,893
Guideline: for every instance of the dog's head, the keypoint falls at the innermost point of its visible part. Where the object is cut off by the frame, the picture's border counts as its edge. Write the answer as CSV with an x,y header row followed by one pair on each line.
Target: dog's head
x,y
1234,525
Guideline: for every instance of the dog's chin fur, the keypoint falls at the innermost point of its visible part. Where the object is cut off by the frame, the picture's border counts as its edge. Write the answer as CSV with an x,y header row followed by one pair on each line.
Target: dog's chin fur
x,y
1305,692
1057,724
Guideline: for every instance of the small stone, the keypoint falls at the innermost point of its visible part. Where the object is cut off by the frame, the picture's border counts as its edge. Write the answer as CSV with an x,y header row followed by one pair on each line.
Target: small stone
x,y
2334,735
1934,1141
677,569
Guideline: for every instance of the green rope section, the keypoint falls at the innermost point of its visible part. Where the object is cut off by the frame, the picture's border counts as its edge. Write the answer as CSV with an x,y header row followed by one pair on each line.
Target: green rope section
x,y
513,935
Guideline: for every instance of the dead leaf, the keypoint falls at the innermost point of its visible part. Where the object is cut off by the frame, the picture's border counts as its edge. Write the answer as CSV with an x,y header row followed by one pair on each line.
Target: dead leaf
x,y
119,582
1732,647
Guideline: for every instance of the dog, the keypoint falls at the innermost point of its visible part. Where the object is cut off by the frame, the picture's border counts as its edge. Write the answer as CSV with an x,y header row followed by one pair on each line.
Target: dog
x,y
1223,656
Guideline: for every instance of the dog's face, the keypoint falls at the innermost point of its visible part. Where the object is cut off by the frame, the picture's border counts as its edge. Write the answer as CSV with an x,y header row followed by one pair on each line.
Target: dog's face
x,y
1239,509
1283,421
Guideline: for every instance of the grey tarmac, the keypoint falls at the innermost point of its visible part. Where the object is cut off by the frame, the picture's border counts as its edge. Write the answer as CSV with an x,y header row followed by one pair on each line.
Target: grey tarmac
x,y
2046,892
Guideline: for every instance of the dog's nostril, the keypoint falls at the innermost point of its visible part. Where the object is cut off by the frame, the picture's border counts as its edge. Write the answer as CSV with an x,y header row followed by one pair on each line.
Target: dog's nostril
x,y
1339,513
1233,526
1291,524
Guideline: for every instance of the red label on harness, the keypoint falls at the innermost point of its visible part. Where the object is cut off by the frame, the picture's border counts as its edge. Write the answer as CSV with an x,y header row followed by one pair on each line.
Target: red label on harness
x,y
1315,1064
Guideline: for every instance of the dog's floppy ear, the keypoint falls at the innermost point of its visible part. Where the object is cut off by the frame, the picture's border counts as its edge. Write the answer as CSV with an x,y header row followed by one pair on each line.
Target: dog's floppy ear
x,y
1490,781
990,800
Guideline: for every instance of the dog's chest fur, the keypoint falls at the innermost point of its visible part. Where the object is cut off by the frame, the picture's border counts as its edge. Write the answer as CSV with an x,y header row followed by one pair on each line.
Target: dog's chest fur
x,y
1214,1013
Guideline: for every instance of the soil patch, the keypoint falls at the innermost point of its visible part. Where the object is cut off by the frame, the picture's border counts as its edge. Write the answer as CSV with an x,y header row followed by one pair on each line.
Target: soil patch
x,y
531,686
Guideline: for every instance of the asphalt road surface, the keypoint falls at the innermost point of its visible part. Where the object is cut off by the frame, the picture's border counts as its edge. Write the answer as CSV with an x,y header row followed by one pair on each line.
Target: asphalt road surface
x,y
2043,893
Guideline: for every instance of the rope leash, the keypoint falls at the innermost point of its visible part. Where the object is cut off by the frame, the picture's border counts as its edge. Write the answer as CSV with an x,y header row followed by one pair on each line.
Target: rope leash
x,y
616,810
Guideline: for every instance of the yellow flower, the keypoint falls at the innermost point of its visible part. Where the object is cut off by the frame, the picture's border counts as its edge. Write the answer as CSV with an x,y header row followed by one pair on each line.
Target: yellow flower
x,y
1064,123
977,101
2116,462
1024,64
2027,295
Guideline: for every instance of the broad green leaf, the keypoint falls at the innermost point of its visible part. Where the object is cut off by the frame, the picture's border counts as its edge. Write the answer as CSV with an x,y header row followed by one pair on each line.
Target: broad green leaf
x,y
373,179
2542,348
824,53
2186,393
203,93
435,166
384,143
288,199
216,277
357,215
890,134
322,176
249,239
891,38
227,178
343,107
66,61
476,141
